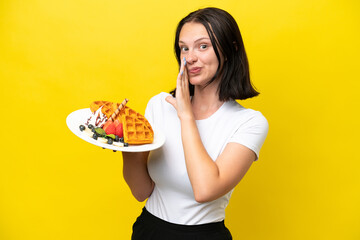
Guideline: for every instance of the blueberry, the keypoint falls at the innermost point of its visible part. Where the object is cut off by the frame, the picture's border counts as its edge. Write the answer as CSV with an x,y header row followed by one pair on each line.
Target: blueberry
x,y
116,138
114,150
110,141
95,136
126,144
90,126
82,127
122,140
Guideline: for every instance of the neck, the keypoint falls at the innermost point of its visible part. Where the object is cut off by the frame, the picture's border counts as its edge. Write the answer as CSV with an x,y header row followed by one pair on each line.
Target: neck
x,y
205,101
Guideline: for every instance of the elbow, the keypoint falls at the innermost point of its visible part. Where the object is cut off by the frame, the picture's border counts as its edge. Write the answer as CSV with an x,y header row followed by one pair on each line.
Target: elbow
x,y
201,200
141,196
203,196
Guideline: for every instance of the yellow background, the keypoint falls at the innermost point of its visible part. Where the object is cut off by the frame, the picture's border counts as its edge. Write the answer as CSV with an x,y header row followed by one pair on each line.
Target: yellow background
x,y
58,56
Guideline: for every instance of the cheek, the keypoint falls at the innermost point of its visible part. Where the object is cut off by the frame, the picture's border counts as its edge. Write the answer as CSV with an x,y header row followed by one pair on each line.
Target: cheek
x,y
214,64
210,59
213,59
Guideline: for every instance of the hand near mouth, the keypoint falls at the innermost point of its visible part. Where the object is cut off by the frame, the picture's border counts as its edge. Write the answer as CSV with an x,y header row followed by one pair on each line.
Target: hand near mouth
x,y
182,101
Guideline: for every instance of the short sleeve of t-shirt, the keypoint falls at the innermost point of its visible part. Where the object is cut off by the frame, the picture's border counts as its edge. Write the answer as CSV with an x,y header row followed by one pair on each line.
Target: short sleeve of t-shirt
x,y
155,110
149,113
252,132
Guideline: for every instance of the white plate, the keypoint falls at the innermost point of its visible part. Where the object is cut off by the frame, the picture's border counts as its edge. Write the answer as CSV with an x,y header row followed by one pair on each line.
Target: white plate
x,y
79,117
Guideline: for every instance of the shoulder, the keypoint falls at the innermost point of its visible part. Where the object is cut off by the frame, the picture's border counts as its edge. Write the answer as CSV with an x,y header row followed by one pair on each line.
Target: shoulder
x,y
157,104
158,110
159,98
246,119
248,114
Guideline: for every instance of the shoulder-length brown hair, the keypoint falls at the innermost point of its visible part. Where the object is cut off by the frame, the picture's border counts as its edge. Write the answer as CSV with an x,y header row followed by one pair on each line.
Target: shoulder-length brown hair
x,y
226,38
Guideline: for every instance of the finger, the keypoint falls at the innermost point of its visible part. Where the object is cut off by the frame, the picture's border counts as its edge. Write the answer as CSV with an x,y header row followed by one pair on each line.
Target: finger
x,y
180,76
186,77
171,100
183,73
178,81
182,67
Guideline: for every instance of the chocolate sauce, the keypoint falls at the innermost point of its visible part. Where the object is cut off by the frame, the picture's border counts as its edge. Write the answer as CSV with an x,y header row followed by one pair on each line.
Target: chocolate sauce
x,y
99,120
87,123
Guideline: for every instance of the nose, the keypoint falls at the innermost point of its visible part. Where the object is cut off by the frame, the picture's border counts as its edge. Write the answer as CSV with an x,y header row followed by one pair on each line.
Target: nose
x,y
191,57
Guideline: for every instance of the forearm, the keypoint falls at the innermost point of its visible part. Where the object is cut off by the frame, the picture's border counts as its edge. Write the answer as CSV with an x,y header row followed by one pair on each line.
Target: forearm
x,y
202,170
136,175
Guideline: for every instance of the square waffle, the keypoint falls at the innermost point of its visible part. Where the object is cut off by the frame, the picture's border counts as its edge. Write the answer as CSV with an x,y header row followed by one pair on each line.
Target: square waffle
x,y
137,130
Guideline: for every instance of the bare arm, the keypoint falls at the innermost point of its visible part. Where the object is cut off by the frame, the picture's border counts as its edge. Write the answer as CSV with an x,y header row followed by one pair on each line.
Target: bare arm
x,y
209,179
136,174
212,179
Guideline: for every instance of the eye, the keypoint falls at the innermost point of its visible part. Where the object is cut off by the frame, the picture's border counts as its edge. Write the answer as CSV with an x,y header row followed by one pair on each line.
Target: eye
x,y
184,49
203,46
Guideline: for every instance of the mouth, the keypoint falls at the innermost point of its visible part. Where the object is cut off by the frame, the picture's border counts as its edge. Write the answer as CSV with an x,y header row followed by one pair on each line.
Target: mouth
x,y
194,70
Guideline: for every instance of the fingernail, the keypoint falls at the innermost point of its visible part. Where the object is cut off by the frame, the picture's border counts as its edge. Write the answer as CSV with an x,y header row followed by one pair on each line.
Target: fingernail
x,y
184,61
181,72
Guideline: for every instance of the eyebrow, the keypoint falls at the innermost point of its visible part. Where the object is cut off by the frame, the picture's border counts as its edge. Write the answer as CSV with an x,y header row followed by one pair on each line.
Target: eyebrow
x,y
197,40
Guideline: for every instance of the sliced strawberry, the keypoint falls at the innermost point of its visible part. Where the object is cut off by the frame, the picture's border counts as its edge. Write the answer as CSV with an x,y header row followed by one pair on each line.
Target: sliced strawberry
x,y
117,122
107,123
110,129
119,130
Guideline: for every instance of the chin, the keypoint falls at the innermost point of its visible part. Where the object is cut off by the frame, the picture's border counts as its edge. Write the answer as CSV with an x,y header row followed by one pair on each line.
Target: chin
x,y
197,81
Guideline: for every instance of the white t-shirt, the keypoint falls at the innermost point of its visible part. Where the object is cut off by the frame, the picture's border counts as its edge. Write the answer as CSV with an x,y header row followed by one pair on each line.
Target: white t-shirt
x,y
173,199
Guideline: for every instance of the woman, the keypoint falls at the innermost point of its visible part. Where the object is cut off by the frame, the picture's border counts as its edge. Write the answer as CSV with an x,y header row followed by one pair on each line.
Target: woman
x,y
211,140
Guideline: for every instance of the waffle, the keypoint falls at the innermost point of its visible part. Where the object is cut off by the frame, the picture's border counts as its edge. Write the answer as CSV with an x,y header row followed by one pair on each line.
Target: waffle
x,y
108,108
137,130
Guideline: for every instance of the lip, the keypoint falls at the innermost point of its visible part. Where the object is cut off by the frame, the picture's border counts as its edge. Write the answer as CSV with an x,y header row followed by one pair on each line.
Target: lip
x,y
194,70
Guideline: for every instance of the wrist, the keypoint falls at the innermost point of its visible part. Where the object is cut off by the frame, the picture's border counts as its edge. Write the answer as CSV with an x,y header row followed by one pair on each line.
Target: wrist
x,y
187,117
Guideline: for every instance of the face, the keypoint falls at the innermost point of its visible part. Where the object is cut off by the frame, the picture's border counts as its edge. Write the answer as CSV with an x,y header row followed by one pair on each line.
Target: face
x,y
195,45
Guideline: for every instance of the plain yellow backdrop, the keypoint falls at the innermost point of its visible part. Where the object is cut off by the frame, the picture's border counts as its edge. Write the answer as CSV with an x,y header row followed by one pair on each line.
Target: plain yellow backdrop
x,y
58,56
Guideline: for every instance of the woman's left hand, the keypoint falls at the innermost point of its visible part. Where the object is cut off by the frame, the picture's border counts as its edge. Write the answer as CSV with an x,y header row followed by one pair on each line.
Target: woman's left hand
x,y
182,101
209,179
